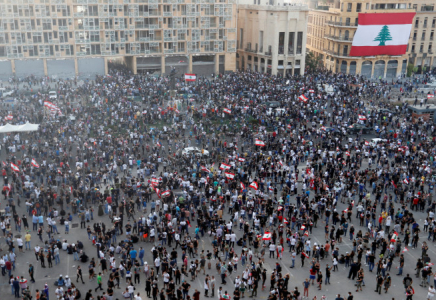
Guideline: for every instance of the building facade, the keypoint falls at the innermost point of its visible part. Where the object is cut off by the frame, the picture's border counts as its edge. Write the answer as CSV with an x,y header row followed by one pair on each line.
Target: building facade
x,y
331,29
68,38
272,37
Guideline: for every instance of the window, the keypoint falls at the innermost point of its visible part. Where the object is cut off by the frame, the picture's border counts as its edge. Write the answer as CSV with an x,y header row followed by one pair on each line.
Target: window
x,y
423,35
299,42
421,48
417,23
425,23
359,7
430,48
349,7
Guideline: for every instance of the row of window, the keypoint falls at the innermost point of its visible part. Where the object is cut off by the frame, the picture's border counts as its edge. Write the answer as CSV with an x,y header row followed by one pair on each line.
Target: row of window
x,y
368,6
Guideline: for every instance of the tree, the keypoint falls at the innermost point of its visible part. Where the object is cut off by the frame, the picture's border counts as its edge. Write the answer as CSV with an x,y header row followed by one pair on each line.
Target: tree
x,y
383,36
409,70
312,62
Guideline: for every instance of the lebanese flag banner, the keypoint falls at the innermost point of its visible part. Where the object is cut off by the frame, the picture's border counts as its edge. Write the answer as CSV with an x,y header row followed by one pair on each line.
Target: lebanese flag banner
x,y
302,227
382,34
225,166
430,96
9,118
158,144
190,77
241,159
4,164
259,143
157,192
362,118
289,126
227,111
33,163
347,153
311,91
405,249
285,221
14,167
242,186
323,128
366,143
393,183
230,175
271,188
303,98
254,185
305,254
406,181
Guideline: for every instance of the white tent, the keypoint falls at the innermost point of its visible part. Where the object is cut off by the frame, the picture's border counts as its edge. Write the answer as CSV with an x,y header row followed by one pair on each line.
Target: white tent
x,y
19,128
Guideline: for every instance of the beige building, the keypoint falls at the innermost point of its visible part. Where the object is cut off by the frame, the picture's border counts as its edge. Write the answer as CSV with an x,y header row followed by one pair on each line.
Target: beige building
x,y
79,37
272,37
331,30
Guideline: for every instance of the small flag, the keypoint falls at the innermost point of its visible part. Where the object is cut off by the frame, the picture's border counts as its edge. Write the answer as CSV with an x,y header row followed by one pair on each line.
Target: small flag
x,y
227,111
303,98
271,188
241,159
394,237
254,185
366,143
406,181
190,77
242,186
225,166
259,143
267,236
405,249
302,227
4,164
204,169
158,144
323,128
311,91
14,167
33,163
362,118
347,153
393,183
230,175
166,193
430,96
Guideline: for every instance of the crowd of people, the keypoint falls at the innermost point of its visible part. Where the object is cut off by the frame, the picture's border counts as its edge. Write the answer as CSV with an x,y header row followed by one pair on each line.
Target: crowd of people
x,y
252,162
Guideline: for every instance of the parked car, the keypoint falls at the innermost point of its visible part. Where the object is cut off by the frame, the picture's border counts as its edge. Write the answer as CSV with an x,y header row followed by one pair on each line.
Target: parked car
x,y
355,128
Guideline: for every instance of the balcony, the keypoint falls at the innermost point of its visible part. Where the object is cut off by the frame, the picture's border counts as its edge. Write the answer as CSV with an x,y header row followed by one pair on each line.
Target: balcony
x,y
268,53
341,24
337,53
339,38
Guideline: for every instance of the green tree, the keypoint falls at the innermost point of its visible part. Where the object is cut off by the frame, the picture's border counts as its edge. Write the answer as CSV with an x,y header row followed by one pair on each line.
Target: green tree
x,y
313,62
383,36
410,68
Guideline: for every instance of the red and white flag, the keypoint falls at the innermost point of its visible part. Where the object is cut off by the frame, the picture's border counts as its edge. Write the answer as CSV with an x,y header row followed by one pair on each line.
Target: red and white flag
x,y
430,96
323,128
177,111
4,164
305,254
241,159
289,126
366,143
347,153
230,175
158,144
167,193
271,188
303,98
259,143
302,227
394,237
311,91
285,221
267,236
14,167
405,249
9,118
33,163
225,166
393,183
242,186
254,185
406,181
204,169
190,77
227,111
362,118
382,34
